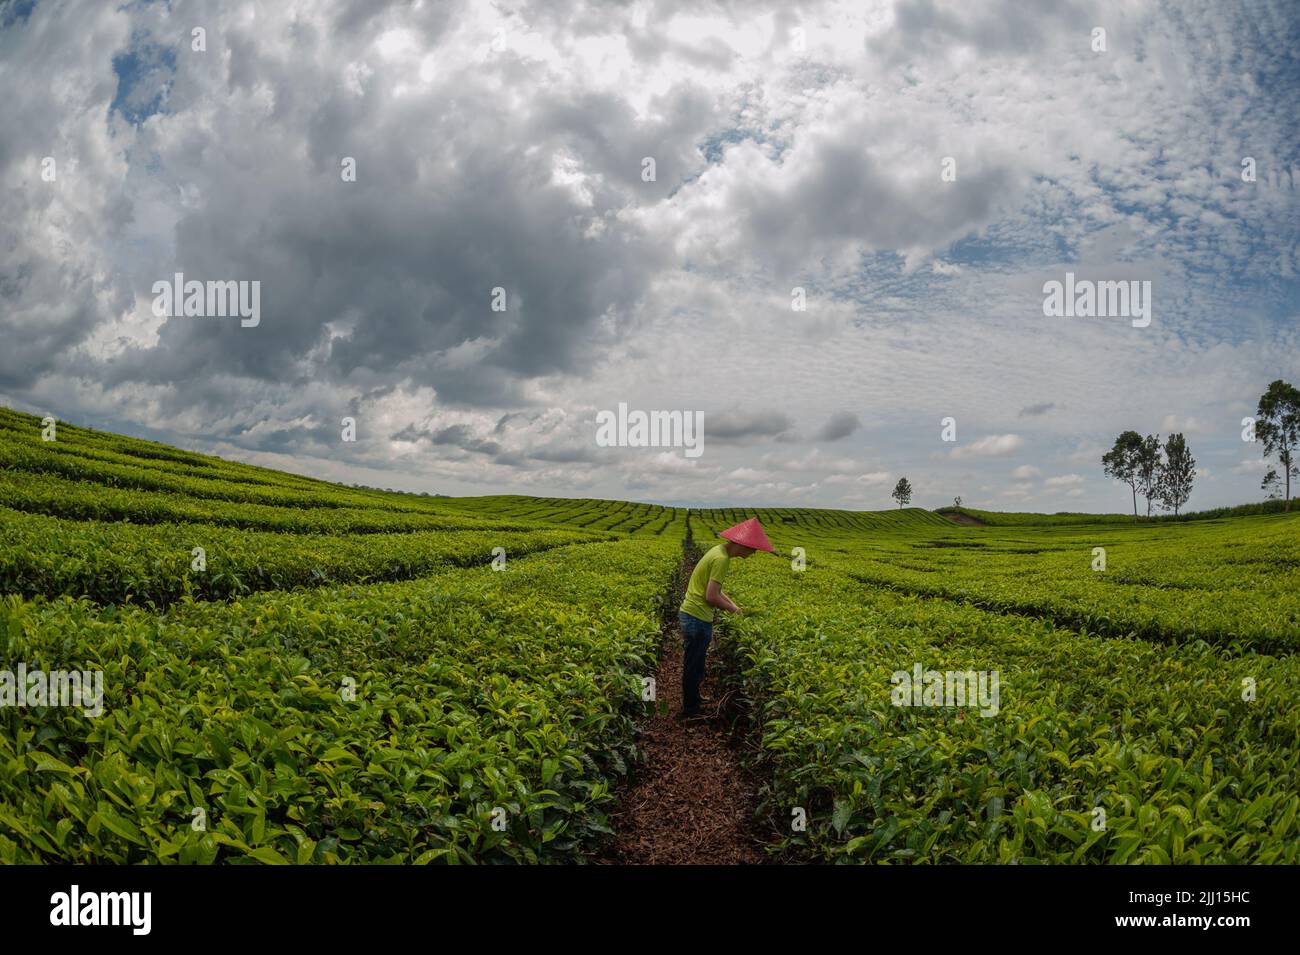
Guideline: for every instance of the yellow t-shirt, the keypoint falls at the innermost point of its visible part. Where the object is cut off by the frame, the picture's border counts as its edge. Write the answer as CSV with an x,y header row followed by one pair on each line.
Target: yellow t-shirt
x,y
712,566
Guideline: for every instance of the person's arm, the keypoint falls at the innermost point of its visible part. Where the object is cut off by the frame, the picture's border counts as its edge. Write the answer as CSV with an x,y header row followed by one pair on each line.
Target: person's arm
x,y
717,598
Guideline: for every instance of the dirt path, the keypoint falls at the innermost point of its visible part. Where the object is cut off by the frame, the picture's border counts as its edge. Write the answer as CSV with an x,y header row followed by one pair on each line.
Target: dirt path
x,y
692,802
957,517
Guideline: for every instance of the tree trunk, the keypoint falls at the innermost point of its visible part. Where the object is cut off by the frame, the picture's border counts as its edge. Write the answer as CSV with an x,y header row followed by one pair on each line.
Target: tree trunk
x,y
1135,502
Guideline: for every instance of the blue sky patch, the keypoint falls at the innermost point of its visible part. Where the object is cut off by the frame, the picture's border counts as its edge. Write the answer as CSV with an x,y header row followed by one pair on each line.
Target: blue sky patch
x,y
144,78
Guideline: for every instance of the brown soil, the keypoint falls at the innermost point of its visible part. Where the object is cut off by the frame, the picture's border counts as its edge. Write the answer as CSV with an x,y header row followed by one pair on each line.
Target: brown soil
x,y
692,801
964,519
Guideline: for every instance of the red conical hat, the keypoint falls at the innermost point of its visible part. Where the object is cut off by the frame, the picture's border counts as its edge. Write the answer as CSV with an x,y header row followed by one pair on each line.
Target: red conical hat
x,y
749,534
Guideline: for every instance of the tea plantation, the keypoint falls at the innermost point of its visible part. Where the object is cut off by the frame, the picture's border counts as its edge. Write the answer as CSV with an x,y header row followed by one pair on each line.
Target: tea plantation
x,y
295,671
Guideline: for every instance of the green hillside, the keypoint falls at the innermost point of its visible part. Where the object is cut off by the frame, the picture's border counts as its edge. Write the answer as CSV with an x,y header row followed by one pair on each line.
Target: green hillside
x,y
328,674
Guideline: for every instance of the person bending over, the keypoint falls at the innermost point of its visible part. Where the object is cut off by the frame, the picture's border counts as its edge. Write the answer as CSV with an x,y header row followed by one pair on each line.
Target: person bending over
x,y
704,594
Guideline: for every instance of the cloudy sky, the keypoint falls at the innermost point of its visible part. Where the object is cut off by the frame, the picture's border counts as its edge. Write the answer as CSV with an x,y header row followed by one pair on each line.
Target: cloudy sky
x,y
505,146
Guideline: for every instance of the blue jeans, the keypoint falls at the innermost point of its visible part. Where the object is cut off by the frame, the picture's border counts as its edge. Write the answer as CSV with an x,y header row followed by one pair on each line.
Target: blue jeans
x,y
696,635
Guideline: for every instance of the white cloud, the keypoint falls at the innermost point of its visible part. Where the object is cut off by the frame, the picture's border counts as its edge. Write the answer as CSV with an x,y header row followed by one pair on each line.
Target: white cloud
x,y
1183,424
1017,492
1090,454
875,478
995,445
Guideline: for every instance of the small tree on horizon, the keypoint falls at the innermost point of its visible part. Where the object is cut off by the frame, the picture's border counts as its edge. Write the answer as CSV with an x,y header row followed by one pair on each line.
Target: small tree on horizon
x,y
1175,484
956,501
1121,462
902,492
1278,427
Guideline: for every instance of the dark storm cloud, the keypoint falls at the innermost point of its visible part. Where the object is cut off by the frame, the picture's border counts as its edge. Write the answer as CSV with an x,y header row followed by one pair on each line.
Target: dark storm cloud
x,y
564,455
841,425
511,459
1033,411
505,420
842,195
55,285
401,284
605,132
351,16
999,26
456,435
44,315
288,440
739,427
391,278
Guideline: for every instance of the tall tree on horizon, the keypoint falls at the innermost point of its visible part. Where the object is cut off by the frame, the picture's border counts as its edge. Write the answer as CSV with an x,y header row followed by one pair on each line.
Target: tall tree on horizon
x,y
902,492
1121,463
1175,484
1148,468
1277,425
